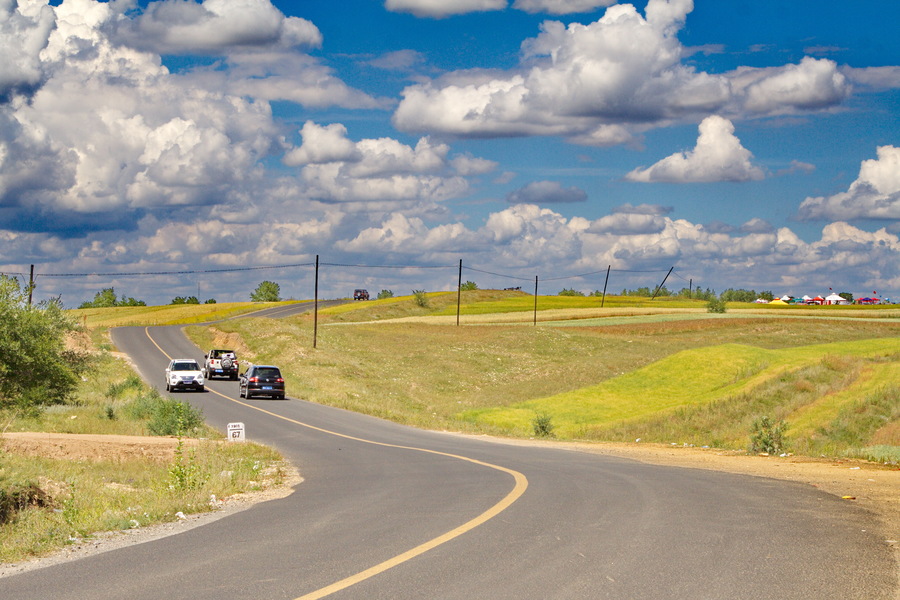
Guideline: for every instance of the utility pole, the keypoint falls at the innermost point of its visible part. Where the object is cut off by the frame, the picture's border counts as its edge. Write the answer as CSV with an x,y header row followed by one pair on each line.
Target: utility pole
x,y
459,292
659,287
316,305
603,299
30,284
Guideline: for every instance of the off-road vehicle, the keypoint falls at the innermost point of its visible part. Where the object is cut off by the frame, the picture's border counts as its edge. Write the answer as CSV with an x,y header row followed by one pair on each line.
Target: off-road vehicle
x,y
221,363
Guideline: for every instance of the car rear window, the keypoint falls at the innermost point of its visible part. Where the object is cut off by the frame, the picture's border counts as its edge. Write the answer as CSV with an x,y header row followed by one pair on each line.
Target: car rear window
x,y
268,373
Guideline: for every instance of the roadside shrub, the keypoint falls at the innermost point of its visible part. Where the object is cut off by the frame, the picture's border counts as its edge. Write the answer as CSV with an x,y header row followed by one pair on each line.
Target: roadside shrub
x,y
766,436
385,294
142,407
542,425
715,305
132,382
420,298
173,417
185,473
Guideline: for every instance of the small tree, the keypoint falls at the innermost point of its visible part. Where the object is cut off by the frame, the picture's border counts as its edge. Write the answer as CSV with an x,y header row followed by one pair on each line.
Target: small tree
x,y
468,286
183,300
715,305
570,292
267,291
385,294
106,298
420,298
102,299
36,369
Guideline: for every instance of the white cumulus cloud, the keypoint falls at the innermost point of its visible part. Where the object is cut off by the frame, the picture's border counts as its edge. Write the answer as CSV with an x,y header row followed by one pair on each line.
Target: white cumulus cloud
x,y
24,31
604,82
718,156
215,26
875,194
337,169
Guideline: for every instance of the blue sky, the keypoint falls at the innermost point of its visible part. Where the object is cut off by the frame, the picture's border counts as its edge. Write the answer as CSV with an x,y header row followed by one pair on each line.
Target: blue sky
x,y
746,144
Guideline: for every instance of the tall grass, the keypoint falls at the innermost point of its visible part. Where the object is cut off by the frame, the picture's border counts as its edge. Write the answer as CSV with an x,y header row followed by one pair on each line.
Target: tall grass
x,y
90,497
636,377
73,499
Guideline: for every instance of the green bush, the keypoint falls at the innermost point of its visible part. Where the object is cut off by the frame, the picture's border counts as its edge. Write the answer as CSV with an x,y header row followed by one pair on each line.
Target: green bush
x,y
715,305
117,389
542,425
420,299
36,369
766,436
173,417
142,407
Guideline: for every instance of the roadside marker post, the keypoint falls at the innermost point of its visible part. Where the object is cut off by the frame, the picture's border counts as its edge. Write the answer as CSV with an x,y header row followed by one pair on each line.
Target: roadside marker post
x,y
236,432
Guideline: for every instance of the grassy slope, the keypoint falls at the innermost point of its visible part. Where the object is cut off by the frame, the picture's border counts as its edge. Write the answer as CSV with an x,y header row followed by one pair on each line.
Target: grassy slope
x,y
85,497
180,314
674,373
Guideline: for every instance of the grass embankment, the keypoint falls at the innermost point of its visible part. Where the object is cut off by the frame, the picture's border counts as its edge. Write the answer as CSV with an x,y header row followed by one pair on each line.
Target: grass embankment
x,y
47,503
670,375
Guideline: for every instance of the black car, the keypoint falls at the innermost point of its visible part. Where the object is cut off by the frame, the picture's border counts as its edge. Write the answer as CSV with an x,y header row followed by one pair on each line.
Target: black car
x,y
262,380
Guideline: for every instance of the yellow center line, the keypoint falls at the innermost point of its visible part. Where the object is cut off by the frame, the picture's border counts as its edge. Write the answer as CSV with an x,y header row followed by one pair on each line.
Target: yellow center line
x,y
521,484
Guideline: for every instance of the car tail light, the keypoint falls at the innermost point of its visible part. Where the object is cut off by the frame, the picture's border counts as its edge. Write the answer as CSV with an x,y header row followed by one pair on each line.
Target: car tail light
x,y
279,380
254,379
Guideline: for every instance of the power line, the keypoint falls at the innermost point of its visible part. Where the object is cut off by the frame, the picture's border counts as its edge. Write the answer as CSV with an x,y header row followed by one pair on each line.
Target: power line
x,y
187,272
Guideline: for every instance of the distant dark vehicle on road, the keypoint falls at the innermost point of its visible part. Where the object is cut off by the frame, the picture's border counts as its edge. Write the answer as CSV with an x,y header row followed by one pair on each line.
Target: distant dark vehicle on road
x,y
262,380
360,294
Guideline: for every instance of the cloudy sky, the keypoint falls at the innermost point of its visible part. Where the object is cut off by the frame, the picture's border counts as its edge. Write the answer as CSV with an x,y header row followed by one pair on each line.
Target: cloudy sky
x,y
749,143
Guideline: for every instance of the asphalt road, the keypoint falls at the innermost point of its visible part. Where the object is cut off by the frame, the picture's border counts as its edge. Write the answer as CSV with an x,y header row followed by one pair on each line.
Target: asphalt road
x,y
390,512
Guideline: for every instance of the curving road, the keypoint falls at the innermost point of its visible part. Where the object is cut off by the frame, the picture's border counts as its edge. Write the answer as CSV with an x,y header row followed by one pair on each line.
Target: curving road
x,y
390,512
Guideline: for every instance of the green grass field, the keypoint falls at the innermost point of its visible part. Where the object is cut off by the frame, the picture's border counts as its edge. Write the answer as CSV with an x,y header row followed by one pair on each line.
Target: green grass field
x,y
661,371
664,372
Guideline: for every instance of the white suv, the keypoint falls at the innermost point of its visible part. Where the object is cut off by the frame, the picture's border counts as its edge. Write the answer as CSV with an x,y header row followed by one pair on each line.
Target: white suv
x,y
221,363
184,374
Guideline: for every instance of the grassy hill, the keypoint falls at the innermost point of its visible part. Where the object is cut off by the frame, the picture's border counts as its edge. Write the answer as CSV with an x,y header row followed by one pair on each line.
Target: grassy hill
x,y
663,371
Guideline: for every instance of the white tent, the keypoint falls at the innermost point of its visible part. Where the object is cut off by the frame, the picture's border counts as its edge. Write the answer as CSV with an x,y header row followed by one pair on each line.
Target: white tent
x,y
835,299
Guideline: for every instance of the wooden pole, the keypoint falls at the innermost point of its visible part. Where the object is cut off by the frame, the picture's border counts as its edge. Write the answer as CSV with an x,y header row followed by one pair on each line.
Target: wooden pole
x,y
30,284
459,292
316,306
605,283
659,287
